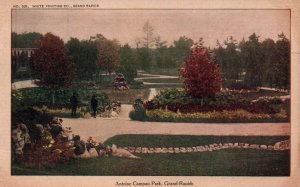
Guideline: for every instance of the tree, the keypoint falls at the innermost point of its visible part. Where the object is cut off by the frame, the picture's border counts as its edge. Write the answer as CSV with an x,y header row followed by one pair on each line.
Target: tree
x,y
228,58
269,64
283,62
50,64
201,73
84,55
109,57
163,55
144,57
149,38
181,49
128,65
252,56
25,40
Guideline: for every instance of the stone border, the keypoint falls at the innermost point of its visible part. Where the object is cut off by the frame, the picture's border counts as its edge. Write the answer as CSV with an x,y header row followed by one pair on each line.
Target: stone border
x,y
279,146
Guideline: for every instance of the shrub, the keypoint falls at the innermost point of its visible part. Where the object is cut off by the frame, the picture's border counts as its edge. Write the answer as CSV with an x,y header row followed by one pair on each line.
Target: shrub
x,y
48,140
31,117
202,76
139,112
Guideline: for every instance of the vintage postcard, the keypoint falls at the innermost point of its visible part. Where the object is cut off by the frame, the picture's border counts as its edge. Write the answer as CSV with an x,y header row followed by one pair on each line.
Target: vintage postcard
x,y
185,93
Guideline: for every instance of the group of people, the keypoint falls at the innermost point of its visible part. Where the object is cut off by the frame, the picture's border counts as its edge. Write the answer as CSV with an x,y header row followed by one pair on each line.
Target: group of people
x,y
74,105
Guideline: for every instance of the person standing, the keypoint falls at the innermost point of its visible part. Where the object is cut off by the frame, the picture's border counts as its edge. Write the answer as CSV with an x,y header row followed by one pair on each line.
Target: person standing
x,y
74,103
94,105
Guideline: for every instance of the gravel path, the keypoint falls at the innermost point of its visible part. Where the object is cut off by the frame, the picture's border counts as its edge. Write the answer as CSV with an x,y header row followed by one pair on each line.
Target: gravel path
x,y
101,129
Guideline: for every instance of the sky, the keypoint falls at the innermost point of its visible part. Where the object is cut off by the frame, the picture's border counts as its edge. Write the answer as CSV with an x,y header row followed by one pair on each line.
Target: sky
x,y
126,25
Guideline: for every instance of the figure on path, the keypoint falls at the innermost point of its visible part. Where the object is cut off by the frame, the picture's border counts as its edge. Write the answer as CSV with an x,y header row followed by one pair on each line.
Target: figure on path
x,y
94,105
74,103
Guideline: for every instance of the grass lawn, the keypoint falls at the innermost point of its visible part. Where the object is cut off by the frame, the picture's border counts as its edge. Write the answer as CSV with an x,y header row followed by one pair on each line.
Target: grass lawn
x,y
230,162
164,80
144,140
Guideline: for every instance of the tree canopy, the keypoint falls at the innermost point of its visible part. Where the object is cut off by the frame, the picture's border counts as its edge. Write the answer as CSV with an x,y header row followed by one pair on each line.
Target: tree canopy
x,y
50,63
109,56
84,55
201,74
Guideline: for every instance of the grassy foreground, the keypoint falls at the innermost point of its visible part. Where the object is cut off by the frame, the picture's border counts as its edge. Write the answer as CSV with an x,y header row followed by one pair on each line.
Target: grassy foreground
x,y
230,162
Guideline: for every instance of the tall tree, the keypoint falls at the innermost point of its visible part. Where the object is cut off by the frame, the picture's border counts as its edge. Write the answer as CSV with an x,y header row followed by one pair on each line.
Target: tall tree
x,y
269,63
109,57
163,55
252,56
229,59
148,38
51,65
144,57
128,65
283,62
84,55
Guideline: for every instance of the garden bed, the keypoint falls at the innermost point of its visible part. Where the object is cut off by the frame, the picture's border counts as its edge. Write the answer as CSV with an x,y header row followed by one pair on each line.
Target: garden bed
x,y
238,116
173,105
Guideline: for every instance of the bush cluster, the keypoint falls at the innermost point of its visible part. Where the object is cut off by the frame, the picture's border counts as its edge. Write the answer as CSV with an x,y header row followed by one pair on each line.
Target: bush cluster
x,y
42,96
139,112
48,140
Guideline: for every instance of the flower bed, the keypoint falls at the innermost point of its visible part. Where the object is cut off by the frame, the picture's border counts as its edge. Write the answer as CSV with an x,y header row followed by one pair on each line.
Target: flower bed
x,y
215,116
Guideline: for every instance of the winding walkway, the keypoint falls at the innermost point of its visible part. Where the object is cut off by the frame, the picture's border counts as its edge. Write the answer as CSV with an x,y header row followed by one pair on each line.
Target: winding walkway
x,y
101,129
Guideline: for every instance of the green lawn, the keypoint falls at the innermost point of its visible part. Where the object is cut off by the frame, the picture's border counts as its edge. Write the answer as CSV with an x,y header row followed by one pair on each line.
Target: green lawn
x,y
229,162
144,140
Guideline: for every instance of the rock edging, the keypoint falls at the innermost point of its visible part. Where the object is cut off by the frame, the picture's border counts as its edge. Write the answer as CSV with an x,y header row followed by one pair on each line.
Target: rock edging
x,y
279,146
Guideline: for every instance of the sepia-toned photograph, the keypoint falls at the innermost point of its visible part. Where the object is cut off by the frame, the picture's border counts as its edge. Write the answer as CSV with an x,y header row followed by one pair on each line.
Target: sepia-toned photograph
x,y
150,92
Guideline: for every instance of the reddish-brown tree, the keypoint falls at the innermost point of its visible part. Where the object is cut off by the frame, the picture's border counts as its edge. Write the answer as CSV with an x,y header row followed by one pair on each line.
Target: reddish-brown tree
x,y
50,64
201,74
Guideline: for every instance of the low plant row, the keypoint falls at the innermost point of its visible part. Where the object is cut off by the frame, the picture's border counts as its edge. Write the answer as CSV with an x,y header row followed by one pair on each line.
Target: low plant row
x,y
161,115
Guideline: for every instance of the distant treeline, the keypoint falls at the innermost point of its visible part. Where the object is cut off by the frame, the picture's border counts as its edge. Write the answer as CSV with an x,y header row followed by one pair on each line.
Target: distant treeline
x,y
251,61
